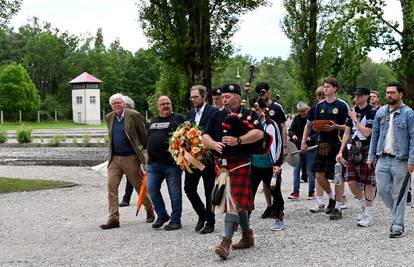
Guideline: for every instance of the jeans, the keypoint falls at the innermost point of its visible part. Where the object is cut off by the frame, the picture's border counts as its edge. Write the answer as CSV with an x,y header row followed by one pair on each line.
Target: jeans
x,y
390,174
156,173
204,212
307,160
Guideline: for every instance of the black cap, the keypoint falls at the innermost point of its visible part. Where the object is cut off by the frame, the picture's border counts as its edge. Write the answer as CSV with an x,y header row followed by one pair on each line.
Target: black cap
x,y
361,91
231,88
262,86
216,91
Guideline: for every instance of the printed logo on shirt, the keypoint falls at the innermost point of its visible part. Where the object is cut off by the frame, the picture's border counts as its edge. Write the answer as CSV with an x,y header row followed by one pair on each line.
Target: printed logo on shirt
x,y
335,111
159,125
272,112
322,111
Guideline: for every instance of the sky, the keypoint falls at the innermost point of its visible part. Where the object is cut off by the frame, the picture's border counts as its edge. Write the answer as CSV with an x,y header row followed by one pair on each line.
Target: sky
x,y
259,33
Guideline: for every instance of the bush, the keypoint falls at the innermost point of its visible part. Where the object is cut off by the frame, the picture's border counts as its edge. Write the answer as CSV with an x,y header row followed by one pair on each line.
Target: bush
x,y
86,139
3,136
106,139
74,140
56,140
24,135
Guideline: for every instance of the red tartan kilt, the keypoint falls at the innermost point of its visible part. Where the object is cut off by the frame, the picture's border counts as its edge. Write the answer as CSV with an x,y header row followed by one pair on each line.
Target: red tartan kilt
x,y
240,185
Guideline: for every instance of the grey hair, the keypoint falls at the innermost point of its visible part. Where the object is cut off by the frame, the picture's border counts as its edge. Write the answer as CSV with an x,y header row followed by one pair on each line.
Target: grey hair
x,y
302,105
117,96
201,89
129,102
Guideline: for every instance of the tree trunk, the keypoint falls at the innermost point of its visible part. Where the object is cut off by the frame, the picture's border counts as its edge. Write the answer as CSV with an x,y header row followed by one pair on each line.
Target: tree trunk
x,y
407,52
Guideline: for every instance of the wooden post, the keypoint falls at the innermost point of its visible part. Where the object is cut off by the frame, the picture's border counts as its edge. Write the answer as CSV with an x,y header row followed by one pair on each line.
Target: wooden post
x,y
1,116
55,115
20,116
38,116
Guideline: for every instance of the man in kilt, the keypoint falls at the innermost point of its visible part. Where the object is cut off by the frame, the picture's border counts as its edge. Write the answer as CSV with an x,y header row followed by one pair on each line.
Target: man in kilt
x,y
232,150
359,124
336,111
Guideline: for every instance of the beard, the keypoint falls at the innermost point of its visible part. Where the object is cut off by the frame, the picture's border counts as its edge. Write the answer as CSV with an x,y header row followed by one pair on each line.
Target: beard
x,y
392,101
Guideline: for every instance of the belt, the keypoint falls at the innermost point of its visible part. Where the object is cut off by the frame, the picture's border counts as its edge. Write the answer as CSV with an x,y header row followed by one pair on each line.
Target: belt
x,y
388,155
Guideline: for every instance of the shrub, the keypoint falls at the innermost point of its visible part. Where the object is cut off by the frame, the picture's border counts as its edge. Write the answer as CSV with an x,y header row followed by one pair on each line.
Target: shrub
x,y
24,135
74,140
56,140
3,136
86,139
106,139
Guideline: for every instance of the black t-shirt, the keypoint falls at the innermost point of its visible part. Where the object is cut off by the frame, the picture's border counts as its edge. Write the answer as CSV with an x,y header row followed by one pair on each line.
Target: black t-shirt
x,y
336,111
159,131
215,130
366,117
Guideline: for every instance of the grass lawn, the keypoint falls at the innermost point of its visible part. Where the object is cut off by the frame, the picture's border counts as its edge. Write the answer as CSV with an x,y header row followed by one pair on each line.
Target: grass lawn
x,y
49,125
8,185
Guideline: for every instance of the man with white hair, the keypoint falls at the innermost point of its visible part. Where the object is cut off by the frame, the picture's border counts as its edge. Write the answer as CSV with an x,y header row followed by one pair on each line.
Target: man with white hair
x,y
127,139
295,133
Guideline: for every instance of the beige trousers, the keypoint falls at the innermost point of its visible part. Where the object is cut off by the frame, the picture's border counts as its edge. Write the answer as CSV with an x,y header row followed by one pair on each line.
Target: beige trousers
x,y
117,168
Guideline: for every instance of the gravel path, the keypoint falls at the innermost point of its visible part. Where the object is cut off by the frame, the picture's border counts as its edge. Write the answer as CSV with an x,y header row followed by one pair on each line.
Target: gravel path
x,y
60,228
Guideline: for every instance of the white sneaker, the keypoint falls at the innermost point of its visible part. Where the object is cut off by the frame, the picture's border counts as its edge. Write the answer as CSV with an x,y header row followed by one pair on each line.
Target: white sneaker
x,y
361,213
317,209
366,220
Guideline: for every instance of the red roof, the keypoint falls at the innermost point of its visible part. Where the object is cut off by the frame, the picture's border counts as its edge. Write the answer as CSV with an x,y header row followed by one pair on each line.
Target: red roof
x,y
85,78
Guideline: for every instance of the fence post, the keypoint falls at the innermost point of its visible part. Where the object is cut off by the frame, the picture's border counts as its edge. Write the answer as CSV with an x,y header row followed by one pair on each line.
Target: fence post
x,y
55,115
103,114
1,116
38,116
20,116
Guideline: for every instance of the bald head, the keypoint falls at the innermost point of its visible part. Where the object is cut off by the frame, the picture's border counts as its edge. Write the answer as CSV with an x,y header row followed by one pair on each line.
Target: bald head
x,y
164,106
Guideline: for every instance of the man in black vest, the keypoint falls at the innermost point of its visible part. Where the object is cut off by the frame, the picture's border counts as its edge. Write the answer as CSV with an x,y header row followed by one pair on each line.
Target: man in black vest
x,y
201,114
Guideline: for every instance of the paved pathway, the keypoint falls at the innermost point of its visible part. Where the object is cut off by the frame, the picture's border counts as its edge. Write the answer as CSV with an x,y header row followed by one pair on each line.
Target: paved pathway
x,y
60,228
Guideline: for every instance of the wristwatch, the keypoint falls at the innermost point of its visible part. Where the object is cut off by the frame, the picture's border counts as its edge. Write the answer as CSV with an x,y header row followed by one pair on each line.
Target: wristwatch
x,y
238,141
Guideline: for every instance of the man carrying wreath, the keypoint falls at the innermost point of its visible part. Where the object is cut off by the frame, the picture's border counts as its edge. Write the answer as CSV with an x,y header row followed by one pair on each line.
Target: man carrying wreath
x,y
232,145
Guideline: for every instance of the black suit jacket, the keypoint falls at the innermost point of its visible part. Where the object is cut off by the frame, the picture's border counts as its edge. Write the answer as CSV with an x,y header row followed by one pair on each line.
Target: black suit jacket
x,y
209,112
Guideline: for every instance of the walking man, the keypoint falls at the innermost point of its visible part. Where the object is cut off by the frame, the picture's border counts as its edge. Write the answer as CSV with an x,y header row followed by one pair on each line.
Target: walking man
x,y
336,111
127,139
232,155
201,115
358,130
162,167
392,143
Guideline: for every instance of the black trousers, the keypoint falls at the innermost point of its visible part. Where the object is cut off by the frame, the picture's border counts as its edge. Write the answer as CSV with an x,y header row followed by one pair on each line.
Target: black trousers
x,y
128,191
265,175
204,212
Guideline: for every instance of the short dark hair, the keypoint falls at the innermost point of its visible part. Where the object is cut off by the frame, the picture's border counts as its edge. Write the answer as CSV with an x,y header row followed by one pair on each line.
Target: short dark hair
x,y
200,88
399,86
332,81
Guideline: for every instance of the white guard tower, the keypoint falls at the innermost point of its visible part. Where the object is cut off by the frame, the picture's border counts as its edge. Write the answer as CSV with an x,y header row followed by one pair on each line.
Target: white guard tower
x,y
86,105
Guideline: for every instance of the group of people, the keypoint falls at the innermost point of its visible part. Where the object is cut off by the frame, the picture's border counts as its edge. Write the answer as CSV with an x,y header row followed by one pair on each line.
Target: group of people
x,y
250,145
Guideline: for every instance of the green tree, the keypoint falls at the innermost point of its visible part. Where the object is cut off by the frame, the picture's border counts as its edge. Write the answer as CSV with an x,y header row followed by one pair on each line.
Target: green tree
x,y
17,90
189,36
8,8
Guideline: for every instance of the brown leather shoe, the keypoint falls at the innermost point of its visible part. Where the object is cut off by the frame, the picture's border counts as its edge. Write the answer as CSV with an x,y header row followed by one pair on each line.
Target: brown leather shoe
x,y
150,216
246,241
223,249
109,225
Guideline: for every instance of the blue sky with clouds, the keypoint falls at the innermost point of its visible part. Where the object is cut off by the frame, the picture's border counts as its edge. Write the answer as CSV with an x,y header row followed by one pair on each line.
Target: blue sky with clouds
x,y
260,34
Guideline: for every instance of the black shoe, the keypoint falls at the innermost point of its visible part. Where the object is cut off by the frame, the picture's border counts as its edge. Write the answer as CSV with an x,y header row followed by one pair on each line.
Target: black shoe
x,y
396,233
160,222
199,225
110,225
173,226
331,206
207,229
124,203
267,213
336,215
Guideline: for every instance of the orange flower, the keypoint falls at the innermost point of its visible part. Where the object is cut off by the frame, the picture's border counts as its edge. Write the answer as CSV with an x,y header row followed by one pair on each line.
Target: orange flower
x,y
195,150
195,141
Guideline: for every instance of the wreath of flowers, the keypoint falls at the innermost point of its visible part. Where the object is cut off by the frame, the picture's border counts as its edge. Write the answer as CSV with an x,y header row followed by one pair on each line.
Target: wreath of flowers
x,y
187,148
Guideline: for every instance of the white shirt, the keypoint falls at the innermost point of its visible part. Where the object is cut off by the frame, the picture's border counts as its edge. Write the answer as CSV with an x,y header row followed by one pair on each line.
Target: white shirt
x,y
389,138
199,113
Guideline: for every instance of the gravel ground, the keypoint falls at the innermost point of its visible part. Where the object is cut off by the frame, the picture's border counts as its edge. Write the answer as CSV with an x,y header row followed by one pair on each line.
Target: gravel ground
x,y
59,227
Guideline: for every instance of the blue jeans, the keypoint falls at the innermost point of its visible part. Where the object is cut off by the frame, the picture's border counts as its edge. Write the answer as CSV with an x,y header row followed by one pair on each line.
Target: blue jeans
x,y
306,159
156,173
390,174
